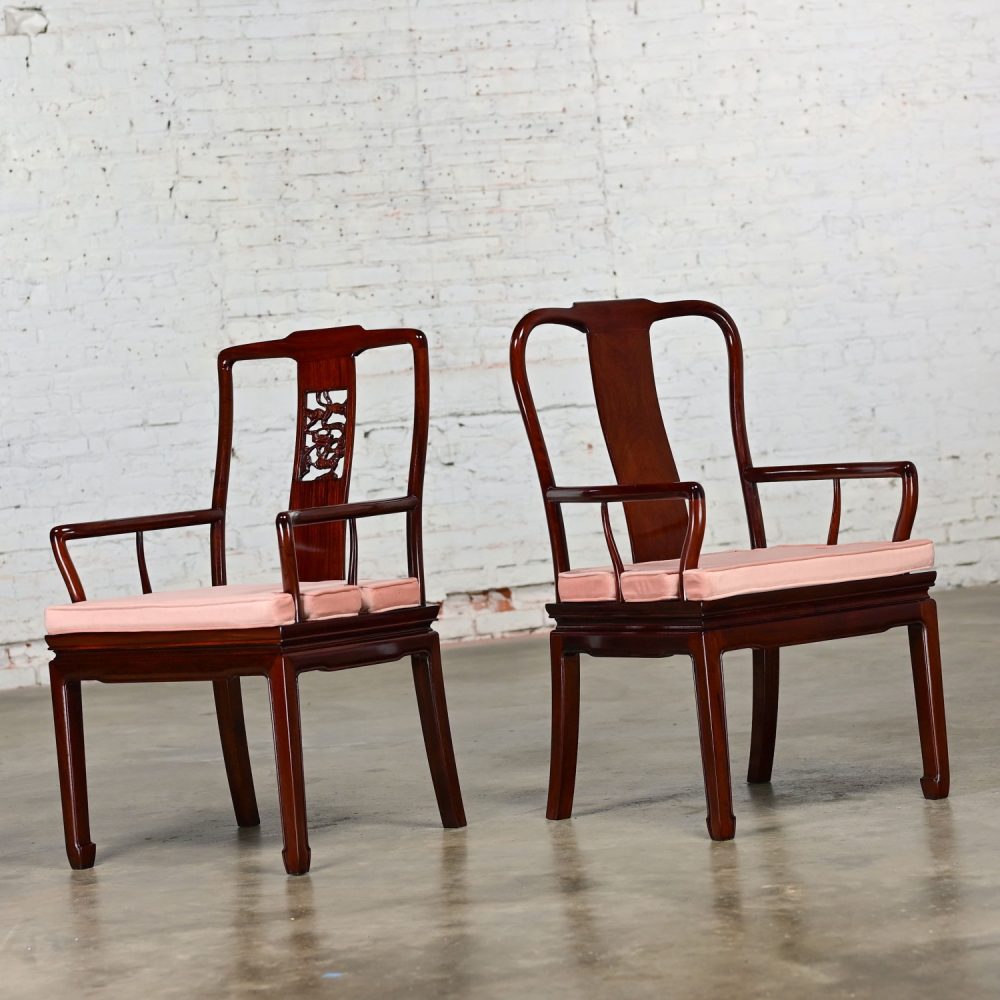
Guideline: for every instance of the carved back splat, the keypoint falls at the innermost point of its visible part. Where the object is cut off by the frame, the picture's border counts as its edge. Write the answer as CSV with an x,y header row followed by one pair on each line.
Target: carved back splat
x,y
321,546
323,444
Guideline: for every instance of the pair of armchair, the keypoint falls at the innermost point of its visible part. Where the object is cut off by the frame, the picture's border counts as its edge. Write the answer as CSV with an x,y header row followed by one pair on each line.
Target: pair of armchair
x,y
668,599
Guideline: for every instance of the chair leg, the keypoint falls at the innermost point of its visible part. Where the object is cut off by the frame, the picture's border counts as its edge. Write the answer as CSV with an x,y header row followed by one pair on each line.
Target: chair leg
x,y
925,658
765,715
565,729
283,684
428,682
67,710
711,700
233,733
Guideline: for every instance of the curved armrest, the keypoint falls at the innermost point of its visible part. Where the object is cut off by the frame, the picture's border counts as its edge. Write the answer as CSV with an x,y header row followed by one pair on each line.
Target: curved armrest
x,y
693,492
906,471
126,525
288,520
63,533
620,494
346,511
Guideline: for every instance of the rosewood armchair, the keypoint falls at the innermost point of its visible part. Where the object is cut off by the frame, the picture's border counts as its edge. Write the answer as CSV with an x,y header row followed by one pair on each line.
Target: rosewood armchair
x,y
319,617
671,599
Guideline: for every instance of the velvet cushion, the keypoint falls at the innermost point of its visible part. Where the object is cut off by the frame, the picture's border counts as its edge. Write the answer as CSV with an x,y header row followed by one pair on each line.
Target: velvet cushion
x,y
241,605
751,571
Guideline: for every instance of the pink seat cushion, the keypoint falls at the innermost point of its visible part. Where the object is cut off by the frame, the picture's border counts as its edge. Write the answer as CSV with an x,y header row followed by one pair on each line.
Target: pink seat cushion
x,y
594,584
751,571
242,605
384,595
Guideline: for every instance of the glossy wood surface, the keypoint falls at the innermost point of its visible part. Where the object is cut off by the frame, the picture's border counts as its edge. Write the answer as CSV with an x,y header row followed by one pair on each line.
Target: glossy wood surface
x,y
316,540
565,728
666,519
233,735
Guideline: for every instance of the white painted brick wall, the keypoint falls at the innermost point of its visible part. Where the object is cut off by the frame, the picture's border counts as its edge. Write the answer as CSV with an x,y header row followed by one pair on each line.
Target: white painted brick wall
x,y
179,176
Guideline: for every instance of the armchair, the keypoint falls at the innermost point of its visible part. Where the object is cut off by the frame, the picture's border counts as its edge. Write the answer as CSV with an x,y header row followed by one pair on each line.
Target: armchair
x,y
320,617
671,598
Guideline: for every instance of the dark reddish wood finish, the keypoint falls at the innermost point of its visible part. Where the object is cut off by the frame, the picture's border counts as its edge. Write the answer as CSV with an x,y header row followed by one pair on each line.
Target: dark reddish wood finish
x,y
233,734
311,539
666,520
565,728
765,715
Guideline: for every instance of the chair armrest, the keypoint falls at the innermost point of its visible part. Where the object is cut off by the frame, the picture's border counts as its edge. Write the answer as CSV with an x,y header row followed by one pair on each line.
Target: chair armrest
x,y
619,494
125,525
288,520
346,511
831,470
905,471
63,533
694,535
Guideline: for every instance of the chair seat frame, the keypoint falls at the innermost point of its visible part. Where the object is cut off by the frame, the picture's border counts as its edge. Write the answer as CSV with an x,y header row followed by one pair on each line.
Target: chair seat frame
x,y
280,655
705,631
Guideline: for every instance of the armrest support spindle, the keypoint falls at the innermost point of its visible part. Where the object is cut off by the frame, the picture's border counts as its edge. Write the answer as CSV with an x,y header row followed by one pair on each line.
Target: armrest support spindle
x,y
64,533
690,491
904,471
288,520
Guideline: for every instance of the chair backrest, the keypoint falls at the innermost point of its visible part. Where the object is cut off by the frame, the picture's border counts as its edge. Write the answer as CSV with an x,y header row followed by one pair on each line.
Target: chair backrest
x,y
324,437
621,367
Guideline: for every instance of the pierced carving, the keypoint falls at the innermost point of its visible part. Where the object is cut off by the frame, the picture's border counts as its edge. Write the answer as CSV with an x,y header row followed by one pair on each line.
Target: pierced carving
x,y
324,435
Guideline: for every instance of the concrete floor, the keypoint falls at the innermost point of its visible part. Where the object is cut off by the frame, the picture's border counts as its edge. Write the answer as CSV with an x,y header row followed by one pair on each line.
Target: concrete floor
x,y
842,882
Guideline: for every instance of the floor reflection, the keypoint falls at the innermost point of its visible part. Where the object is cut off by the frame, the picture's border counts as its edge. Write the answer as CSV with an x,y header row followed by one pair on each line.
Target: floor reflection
x,y
248,937
785,891
303,940
727,889
943,886
575,893
455,940
87,922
